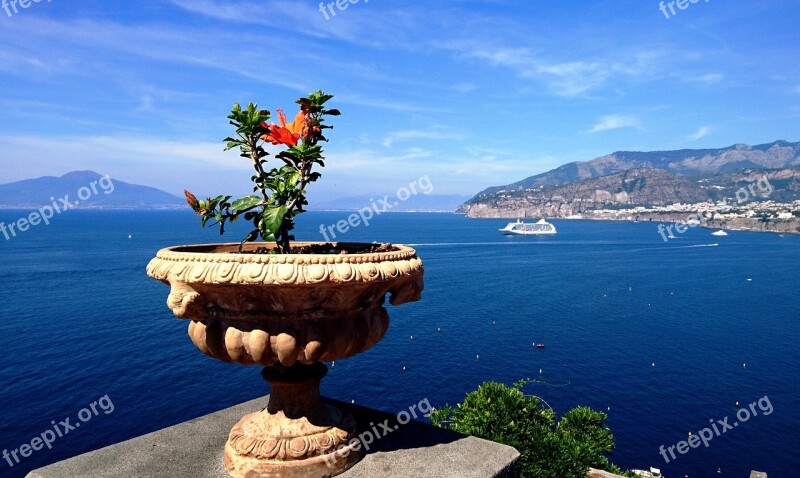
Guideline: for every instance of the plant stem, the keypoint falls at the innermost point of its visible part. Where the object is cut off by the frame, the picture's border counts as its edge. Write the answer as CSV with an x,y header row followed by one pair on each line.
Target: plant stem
x,y
252,145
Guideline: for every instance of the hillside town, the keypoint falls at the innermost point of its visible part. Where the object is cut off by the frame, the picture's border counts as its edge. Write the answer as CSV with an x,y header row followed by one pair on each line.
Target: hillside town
x,y
764,215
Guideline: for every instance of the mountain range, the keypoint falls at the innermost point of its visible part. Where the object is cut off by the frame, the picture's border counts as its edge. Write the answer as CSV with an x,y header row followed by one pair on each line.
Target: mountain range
x,y
93,190
89,189
628,178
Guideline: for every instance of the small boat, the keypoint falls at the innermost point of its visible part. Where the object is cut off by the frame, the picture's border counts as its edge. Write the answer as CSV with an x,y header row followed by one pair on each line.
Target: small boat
x,y
652,473
539,346
719,233
540,227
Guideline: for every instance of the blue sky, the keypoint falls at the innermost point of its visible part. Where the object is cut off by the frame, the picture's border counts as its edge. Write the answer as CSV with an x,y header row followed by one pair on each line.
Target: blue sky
x,y
470,93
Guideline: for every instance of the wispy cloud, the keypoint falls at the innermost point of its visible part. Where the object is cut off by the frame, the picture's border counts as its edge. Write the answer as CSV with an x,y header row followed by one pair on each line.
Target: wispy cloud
x,y
707,79
413,135
568,79
609,122
118,152
367,27
701,133
380,103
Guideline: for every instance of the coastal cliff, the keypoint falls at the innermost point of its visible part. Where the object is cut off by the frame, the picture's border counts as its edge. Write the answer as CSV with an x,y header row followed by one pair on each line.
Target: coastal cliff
x,y
662,186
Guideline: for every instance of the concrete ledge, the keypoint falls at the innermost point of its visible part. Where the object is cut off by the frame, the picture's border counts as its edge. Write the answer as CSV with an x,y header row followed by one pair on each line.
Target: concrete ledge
x,y
194,449
601,474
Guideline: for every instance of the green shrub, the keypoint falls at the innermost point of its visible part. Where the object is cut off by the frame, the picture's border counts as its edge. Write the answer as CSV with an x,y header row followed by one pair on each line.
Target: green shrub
x,y
549,448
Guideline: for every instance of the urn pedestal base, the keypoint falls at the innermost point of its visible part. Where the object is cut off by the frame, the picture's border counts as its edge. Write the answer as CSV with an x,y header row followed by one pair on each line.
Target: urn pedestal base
x,y
296,436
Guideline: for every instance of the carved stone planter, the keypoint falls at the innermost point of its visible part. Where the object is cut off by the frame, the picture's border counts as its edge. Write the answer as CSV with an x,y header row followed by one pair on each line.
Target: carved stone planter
x,y
288,313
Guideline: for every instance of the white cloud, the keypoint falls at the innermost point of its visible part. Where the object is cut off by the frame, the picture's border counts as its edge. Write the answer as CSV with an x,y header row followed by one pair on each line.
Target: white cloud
x,y
609,122
701,133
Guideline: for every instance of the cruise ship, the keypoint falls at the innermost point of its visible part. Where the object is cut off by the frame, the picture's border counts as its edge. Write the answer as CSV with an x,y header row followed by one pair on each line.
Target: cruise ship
x,y
540,227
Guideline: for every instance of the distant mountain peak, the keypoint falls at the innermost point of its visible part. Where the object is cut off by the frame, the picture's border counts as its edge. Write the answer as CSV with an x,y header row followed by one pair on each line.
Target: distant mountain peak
x,y
84,174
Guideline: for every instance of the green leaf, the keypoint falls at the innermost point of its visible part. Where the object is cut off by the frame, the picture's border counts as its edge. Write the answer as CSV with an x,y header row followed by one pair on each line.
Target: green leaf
x,y
246,202
272,218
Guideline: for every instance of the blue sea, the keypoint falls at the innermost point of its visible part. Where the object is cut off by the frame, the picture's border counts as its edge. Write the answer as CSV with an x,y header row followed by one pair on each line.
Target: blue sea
x,y
662,336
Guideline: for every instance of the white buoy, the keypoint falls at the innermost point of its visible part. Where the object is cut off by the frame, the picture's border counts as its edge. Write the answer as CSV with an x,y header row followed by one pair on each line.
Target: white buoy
x,y
353,402
333,364
654,364
749,280
130,236
412,337
540,371
439,329
477,357
744,365
493,322
404,369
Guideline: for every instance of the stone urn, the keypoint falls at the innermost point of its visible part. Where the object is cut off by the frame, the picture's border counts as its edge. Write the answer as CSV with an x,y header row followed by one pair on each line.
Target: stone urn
x,y
288,313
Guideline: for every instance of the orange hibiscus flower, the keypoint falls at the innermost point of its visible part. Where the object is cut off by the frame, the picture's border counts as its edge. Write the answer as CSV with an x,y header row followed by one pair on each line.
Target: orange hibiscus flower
x,y
288,134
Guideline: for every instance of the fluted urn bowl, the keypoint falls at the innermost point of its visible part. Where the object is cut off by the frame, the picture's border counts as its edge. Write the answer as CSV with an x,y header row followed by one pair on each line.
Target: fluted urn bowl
x,y
288,313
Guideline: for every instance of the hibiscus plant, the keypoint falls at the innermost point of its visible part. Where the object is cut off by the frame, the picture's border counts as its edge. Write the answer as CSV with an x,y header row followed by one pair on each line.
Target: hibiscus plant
x,y
280,192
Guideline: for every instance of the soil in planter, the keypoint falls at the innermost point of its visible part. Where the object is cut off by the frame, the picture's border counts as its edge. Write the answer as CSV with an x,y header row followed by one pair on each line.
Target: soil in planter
x,y
339,248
